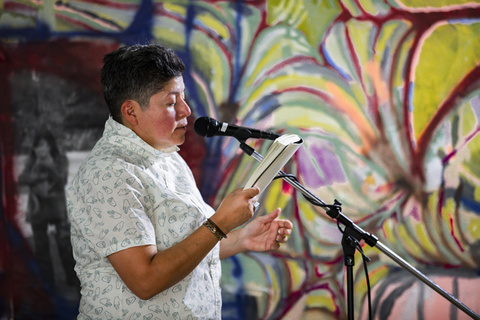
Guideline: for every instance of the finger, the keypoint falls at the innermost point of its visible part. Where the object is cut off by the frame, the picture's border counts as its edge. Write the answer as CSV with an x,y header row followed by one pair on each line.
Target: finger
x,y
275,245
281,238
252,192
271,216
253,204
284,231
287,224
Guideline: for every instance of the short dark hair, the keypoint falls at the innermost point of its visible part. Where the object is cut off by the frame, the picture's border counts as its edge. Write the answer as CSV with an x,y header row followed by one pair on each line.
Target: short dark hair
x,y
137,72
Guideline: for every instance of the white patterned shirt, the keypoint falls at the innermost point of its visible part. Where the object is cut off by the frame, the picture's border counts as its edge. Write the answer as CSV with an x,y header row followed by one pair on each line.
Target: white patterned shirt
x,y
127,194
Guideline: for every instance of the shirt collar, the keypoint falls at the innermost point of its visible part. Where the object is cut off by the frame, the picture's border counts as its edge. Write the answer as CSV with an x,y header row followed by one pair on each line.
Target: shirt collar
x,y
119,134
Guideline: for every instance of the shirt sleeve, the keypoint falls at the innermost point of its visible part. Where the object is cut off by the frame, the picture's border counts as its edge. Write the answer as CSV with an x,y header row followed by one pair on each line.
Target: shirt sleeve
x,y
109,211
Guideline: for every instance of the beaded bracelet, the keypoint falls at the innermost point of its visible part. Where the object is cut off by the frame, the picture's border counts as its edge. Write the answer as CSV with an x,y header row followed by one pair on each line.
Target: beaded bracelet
x,y
215,229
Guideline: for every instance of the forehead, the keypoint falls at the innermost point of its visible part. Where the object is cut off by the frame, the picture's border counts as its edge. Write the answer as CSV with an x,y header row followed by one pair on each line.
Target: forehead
x,y
174,86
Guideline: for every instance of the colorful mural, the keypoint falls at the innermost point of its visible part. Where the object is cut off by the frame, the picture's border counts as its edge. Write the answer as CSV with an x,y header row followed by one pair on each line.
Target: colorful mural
x,y
385,93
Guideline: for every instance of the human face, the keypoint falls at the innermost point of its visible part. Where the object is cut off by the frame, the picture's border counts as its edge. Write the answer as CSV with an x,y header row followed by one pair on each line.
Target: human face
x,y
42,150
163,123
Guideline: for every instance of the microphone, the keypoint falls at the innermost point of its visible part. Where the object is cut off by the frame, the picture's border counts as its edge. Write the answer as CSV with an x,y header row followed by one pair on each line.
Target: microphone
x,y
208,127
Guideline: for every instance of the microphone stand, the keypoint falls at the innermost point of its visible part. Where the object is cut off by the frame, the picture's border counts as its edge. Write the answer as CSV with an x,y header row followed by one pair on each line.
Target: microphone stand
x,y
353,234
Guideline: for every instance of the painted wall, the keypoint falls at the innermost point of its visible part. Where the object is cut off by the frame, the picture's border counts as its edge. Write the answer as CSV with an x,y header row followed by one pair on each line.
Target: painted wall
x,y
385,93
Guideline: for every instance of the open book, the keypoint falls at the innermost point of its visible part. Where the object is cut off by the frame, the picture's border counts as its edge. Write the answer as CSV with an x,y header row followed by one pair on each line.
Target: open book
x,y
274,160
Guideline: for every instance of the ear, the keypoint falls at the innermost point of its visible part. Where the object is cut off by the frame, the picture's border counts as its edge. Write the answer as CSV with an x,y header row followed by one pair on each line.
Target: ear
x,y
129,114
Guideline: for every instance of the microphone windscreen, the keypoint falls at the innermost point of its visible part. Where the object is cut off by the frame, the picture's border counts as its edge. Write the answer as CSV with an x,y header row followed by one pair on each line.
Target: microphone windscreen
x,y
205,126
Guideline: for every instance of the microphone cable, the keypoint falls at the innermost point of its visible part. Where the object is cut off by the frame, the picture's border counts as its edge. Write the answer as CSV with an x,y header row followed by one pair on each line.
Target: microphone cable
x,y
365,259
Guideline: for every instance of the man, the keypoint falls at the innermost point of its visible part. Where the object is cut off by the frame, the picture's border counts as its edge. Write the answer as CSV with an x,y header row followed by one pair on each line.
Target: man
x,y
145,243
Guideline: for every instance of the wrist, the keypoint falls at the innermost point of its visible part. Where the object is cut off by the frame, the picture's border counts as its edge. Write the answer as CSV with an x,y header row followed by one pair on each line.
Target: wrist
x,y
239,240
233,245
222,222
217,232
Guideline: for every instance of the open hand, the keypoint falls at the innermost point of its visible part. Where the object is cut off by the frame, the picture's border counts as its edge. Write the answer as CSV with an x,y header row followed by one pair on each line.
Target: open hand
x,y
266,232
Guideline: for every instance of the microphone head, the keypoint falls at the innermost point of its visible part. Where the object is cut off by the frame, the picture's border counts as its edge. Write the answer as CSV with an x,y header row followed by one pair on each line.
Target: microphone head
x,y
206,126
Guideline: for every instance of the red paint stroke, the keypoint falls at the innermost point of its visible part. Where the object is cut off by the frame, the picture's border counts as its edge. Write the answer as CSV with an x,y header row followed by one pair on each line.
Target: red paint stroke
x,y
470,81
452,233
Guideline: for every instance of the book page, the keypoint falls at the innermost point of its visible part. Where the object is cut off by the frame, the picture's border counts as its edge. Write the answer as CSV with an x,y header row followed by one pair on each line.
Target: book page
x,y
274,160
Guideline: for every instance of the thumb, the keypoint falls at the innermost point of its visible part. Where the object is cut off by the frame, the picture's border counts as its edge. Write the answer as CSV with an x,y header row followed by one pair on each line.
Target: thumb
x,y
252,192
272,215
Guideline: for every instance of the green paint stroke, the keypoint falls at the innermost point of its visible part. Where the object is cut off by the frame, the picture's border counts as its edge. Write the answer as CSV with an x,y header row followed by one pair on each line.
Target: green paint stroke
x,y
447,55
434,3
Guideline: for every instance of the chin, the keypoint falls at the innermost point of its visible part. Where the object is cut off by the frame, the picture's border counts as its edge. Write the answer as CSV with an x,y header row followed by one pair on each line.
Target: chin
x,y
180,142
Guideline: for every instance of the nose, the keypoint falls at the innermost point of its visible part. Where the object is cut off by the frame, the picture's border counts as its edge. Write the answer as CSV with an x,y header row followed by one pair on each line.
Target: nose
x,y
183,110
